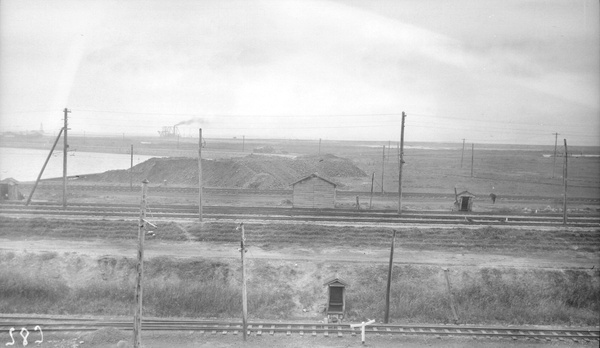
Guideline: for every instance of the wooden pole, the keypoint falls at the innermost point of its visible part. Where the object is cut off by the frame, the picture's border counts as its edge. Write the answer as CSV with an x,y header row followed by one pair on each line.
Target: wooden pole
x,y
565,174
382,168
65,148
389,282
137,319
446,270
472,157
244,297
400,165
131,170
462,156
371,199
200,174
43,167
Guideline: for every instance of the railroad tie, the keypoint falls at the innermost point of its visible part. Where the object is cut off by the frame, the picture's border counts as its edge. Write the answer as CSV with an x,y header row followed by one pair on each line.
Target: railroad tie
x,y
326,333
272,331
376,331
339,331
301,330
389,330
225,330
314,333
259,332
249,331
289,331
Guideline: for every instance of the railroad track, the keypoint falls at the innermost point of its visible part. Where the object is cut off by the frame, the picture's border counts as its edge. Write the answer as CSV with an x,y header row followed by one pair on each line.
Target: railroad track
x,y
66,324
289,214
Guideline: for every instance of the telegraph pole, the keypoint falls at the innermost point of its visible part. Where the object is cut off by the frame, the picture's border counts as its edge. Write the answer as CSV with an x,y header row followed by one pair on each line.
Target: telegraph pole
x,y
382,168
371,199
400,165
137,319
463,154
200,174
65,148
131,170
565,186
472,157
555,143
389,282
244,297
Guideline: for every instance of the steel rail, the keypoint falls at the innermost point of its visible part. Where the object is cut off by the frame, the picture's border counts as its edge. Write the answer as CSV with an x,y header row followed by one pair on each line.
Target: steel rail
x,y
49,324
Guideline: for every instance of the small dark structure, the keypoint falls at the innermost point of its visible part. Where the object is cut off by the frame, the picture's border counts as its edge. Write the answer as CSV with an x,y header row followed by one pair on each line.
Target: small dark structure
x,y
464,201
336,299
314,191
9,190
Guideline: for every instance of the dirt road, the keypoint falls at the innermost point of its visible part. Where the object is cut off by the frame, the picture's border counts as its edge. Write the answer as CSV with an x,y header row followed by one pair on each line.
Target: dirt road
x,y
127,248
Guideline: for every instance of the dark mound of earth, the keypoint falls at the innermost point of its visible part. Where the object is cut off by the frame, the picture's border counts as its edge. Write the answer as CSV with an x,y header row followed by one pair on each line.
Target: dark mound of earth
x,y
252,171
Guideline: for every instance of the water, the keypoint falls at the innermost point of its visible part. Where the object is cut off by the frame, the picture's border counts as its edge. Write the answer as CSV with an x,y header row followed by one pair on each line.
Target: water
x,y
25,164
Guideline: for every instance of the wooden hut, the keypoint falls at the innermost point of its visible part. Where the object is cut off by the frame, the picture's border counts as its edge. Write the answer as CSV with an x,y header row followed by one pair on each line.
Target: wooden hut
x,y
336,298
464,201
314,191
9,189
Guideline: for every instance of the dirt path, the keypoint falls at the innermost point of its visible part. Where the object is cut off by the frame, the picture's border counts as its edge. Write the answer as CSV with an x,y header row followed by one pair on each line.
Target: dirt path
x,y
127,248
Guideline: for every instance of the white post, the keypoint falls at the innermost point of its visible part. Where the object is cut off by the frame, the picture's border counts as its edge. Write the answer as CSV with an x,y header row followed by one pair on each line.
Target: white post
x,y
362,328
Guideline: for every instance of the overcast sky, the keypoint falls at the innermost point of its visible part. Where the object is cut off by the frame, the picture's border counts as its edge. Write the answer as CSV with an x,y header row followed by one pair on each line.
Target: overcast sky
x,y
490,71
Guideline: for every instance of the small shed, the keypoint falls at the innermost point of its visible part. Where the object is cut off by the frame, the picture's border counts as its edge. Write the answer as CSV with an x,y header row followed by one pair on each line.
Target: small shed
x,y
336,298
9,189
464,201
313,191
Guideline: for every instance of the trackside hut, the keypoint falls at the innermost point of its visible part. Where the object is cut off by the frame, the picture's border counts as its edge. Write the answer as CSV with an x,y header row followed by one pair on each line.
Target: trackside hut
x,y
313,191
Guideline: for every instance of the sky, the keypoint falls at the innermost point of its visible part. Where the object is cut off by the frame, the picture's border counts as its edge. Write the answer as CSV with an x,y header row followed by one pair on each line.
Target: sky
x,y
488,71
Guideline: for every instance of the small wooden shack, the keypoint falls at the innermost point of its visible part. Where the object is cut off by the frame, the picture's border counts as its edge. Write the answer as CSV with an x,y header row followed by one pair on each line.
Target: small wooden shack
x,y
464,201
336,298
314,191
9,189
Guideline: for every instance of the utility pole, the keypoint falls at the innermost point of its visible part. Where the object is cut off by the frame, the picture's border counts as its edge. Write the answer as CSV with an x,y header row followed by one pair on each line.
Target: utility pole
x,y
389,282
472,157
200,174
555,144
43,167
400,165
65,148
371,199
382,168
244,297
446,270
319,146
462,156
565,185
131,170
137,319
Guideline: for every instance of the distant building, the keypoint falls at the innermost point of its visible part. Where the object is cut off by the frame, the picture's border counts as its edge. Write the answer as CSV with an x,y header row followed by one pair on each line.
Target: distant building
x,y
9,190
314,191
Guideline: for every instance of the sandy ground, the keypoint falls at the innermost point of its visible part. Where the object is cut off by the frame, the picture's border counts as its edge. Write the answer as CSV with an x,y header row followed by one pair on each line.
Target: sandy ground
x,y
128,248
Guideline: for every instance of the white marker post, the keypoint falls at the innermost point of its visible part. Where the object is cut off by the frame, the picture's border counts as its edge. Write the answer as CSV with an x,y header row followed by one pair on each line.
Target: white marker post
x,y
362,328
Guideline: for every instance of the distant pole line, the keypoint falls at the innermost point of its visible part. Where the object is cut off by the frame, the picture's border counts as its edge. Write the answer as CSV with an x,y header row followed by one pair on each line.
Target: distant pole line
x,y
401,165
565,174
43,167
137,319
200,174
555,144
65,148
371,199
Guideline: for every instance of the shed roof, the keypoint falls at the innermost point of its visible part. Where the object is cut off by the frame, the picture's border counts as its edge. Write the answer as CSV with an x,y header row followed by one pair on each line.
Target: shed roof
x,y
9,181
333,280
314,175
466,193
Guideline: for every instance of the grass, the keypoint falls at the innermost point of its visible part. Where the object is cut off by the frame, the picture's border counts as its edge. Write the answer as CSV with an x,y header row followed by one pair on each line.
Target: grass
x,y
283,290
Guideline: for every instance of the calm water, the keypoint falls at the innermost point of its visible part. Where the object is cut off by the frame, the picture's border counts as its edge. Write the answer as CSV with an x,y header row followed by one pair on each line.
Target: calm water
x,y
25,164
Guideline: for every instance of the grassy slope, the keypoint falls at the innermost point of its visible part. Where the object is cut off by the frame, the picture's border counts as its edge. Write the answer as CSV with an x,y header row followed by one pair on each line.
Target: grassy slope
x,y
70,283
